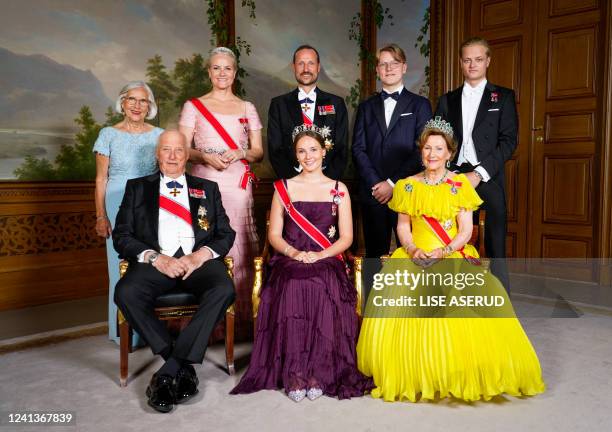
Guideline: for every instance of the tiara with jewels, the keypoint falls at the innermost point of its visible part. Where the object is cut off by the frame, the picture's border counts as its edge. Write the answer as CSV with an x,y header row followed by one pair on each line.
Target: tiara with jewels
x,y
440,125
325,131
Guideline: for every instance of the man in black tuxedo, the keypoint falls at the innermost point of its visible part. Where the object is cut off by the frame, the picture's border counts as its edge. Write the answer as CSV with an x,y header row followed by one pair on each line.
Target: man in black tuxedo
x,y
307,104
174,231
484,118
385,150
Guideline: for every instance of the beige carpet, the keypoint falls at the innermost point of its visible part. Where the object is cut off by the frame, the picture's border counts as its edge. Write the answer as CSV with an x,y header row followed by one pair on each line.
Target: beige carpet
x,y
82,376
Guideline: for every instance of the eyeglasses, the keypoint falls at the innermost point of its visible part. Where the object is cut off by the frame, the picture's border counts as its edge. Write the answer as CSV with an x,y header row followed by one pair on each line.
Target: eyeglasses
x,y
133,101
389,65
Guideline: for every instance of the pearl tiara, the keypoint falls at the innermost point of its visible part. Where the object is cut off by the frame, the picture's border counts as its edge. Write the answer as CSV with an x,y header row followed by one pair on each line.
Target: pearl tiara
x,y
439,125
325,131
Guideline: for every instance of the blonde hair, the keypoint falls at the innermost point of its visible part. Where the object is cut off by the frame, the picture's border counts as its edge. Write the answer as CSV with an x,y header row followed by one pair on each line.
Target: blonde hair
x,y
224,51
395,50
475,41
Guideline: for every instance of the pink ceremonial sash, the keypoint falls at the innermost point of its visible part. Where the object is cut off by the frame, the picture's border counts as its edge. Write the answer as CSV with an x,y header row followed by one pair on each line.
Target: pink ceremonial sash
x,y
444,238
175,208
248,175
300,220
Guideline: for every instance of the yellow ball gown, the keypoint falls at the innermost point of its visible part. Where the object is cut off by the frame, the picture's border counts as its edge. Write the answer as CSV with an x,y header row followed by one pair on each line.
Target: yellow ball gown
x,y
425,358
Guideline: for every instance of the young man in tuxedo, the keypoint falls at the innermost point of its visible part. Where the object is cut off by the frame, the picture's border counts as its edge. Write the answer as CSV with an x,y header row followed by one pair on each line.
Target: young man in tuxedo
x,y
385,150
174,231
307,104
484,118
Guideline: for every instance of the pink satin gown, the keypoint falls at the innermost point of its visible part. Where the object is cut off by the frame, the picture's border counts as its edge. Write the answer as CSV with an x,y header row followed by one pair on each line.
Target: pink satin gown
x,y
238,202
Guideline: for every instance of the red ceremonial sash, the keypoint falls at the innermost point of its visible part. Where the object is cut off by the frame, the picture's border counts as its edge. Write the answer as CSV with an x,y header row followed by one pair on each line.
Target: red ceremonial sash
x,y
248,175
300,220
444,238
306,119
175,208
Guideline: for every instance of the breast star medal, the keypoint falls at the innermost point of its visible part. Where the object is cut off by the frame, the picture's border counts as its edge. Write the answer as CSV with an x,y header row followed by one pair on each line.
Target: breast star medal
x,y
331,233
202,219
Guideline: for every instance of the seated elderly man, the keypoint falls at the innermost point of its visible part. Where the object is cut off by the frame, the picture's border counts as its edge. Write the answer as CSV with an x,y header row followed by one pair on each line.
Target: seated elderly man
x,y
174,231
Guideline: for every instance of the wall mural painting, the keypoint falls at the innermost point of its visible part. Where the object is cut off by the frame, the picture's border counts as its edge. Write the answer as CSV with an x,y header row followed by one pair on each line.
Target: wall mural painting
x,y
60,80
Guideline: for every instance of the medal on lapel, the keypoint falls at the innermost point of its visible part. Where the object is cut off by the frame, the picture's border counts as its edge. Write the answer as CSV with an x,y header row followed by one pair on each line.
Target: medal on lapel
x,y
202,219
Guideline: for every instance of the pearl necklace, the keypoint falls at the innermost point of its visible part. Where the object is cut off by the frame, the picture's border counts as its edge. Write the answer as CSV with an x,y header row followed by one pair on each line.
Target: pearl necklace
x,y
436,183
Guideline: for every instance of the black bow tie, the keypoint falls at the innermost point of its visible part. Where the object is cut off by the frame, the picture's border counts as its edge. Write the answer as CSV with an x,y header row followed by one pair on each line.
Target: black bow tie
x,y
394,95
306,100
174,184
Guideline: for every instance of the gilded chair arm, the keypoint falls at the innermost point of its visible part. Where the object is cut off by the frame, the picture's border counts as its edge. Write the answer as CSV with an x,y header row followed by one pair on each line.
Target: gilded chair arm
x,y
357,271
257,283
229,265
123,267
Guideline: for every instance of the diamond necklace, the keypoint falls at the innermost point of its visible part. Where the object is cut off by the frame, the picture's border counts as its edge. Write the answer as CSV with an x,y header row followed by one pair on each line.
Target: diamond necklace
x,y
439,182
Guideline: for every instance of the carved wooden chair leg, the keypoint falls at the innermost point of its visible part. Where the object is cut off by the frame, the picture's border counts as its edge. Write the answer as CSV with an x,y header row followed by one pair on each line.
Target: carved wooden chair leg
x,y
124,350
229,341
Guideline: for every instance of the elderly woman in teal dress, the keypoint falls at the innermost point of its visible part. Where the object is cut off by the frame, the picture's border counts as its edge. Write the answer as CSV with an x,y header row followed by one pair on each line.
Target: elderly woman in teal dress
x,y
123,151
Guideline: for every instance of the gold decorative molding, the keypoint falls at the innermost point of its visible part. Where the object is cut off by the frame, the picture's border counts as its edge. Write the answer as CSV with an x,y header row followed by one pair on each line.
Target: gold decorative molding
x,y
48,233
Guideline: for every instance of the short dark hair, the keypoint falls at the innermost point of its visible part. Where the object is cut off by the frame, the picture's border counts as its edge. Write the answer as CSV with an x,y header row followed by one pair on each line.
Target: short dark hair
x,y
311,134
475,41
303,47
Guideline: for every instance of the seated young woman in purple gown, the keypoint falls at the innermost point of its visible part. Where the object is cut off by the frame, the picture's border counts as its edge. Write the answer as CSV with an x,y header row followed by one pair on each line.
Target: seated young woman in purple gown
x,y
307,324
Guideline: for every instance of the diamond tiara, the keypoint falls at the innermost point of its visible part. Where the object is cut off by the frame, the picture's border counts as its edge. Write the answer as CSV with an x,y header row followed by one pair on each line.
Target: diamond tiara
x,y
439,125
325,131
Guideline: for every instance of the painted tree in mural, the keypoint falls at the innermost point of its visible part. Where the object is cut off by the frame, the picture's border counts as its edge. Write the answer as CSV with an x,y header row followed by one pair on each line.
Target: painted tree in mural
x,y
163,88
191,77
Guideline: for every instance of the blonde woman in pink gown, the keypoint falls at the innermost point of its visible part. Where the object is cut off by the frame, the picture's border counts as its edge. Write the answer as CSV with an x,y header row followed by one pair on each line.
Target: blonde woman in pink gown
x,y
213,159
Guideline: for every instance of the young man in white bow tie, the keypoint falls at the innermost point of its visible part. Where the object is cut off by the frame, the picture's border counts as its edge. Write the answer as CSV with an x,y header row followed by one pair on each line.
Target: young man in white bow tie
x,y
384,146
484,118
174,231
307,104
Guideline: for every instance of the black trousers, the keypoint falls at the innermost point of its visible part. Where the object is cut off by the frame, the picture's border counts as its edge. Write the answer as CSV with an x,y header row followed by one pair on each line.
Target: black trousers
x,y
135,296
379,221
496,225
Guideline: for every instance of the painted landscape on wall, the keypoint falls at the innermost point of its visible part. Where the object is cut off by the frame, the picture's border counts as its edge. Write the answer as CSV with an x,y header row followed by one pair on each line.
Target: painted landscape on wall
x,y
64,62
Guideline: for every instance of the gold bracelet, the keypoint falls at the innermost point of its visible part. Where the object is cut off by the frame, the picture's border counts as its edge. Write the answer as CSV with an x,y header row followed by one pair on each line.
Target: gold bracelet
x,y
100,218
287,249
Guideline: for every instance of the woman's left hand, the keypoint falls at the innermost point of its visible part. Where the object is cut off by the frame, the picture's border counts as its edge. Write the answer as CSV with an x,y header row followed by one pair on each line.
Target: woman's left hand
x,y
231,156
313,257
436,254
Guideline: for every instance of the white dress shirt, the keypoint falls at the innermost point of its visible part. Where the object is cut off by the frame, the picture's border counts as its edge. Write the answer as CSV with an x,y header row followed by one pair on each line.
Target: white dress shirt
x,y
470,101
312,95
173,232
390,104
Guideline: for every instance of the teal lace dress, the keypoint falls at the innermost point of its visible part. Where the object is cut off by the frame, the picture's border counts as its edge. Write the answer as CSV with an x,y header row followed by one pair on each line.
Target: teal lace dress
x,y
131,156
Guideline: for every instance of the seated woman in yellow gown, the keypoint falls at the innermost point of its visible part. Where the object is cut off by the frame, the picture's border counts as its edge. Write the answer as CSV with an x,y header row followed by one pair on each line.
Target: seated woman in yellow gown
x,y
422,357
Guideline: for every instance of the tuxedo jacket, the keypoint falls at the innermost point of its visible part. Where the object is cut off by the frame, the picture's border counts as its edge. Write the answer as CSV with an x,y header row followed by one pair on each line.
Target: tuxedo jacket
x,y
382,152
285,113
137,222
495,128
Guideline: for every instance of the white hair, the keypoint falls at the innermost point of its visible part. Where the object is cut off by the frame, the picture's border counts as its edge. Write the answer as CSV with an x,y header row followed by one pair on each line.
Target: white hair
x,y
152,112
225,51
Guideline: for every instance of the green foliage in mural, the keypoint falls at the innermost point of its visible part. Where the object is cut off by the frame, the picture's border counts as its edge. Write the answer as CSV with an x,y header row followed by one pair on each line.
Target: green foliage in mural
x,y
191,78
163,87
74,162
423,45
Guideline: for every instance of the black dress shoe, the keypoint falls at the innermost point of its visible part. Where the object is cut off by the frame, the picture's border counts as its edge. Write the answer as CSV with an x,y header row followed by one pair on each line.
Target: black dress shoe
x,y
186,384
161,393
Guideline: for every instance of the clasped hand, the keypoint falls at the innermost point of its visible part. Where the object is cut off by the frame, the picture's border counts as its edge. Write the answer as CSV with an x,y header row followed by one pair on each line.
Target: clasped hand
x,y
308,257
183,266
427,259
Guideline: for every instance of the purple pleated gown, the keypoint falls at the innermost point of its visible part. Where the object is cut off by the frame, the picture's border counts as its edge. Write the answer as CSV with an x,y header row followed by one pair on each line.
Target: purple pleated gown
x,y
306,325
